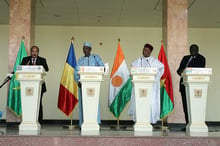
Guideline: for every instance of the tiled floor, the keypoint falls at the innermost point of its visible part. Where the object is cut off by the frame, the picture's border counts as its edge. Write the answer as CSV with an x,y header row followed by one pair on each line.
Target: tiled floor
x,y
105,131
51,135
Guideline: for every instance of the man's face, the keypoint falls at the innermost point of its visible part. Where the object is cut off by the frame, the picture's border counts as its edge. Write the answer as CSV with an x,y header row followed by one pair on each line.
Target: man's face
x,y
86,50
194,51
146,52
34,52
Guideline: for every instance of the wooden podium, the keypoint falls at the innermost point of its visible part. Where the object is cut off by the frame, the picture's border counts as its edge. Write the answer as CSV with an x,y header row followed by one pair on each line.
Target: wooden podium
x,y
196,81
31,79
90,78
143,79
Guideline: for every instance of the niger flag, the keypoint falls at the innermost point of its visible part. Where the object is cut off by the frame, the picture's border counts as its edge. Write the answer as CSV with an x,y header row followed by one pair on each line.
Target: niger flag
x,y
68,93
120,84
166,89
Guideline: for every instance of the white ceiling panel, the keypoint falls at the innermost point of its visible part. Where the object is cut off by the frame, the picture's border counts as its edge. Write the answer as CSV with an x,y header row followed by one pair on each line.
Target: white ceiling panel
x,y
131,13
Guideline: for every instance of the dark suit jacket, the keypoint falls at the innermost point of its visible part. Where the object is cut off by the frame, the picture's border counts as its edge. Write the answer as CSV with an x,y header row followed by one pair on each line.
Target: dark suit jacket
x,y
198,61
40,61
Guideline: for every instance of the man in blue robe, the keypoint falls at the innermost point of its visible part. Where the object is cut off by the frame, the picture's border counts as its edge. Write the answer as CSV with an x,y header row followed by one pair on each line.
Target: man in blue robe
x,y
87,60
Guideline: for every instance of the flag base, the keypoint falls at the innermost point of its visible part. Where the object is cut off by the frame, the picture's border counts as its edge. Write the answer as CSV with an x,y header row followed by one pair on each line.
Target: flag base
x,y
71,127
118,127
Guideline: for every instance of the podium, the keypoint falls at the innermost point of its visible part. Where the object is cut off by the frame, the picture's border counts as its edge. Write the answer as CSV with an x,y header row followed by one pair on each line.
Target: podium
x,y
31,79
90,78
196,81
143,79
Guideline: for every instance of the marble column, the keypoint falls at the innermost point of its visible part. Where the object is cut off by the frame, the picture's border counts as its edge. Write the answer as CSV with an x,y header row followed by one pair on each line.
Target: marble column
x,y
175,36
21,23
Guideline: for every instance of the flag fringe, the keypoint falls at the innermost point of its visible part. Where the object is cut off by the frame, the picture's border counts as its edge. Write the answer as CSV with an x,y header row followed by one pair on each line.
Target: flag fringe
x,y
14,112
166,115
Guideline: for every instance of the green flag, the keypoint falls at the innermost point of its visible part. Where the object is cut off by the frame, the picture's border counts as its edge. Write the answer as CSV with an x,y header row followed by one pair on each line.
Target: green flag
x,y
14,95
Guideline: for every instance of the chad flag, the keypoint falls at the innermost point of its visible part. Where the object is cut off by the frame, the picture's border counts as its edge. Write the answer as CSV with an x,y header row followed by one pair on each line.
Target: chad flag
x,y
68,93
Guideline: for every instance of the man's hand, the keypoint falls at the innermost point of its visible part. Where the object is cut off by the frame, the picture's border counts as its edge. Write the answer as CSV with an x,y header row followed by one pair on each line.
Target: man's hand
x,y
79,84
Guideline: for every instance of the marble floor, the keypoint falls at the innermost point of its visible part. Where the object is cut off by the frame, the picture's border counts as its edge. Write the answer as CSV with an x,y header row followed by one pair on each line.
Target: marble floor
x,y
106,130
65,135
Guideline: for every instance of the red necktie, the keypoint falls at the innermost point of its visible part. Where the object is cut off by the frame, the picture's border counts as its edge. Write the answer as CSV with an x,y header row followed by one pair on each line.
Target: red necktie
x,y
33,61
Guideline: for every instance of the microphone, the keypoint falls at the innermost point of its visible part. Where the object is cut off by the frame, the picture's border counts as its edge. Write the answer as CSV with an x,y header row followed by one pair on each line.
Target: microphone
x,y
148,63
9,76
96,61
88,60
141,61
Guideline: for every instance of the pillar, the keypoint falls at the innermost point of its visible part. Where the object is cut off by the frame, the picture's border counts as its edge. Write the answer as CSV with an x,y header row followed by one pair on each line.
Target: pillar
x,y
175,36
21,22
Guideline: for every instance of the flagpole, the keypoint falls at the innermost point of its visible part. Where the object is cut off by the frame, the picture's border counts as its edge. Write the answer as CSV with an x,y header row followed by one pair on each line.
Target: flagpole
x,y
23,38
164,126
71,120
71,117
71,126
72,39
118,126
119,40
164,120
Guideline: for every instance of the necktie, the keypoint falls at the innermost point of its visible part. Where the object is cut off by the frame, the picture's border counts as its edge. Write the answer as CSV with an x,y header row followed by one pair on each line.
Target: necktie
x,y
189,61
33,61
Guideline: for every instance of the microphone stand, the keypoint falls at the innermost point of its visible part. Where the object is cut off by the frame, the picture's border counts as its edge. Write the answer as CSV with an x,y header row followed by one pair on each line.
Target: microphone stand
x,y
5,81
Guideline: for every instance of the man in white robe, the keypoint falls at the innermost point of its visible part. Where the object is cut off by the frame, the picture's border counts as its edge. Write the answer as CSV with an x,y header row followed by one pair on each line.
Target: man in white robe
x,y
148,61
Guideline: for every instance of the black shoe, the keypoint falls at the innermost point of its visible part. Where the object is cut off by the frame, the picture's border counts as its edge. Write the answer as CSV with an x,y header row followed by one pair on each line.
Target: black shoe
x,y
183,129
40,121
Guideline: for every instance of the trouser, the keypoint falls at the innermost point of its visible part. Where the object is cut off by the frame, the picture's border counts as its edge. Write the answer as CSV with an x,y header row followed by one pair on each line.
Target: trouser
x,y
184,101
40,116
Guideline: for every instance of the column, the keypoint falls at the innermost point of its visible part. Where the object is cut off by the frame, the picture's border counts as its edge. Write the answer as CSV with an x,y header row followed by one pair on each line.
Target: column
x,y
175,36
20,24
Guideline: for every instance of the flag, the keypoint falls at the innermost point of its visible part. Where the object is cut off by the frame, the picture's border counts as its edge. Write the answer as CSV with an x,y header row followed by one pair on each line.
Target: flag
x,y
14,93
166,89
120,84
68,92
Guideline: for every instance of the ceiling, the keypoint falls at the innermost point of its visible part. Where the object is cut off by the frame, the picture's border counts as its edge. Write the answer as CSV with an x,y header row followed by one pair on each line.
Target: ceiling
x,y
126,13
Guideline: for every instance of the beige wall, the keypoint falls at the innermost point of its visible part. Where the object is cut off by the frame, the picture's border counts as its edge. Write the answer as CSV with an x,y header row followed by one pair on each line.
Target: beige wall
x,y
4,36
208,41
54,44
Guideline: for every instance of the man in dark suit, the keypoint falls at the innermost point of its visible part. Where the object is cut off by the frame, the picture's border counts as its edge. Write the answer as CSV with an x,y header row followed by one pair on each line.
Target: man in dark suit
x,y
193,60
34,59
